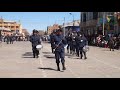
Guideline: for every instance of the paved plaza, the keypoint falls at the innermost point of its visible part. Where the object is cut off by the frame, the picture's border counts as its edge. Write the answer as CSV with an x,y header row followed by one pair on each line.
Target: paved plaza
x,y
16,62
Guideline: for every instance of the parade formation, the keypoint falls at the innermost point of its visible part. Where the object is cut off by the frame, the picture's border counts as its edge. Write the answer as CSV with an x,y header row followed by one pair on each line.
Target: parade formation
x,y
80,53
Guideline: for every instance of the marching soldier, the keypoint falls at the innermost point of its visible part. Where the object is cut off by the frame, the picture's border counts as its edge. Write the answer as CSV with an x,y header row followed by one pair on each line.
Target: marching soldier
x,y
52,35
7,38
73,43
11,39
69,42
81,41
111,43
60,42
35,40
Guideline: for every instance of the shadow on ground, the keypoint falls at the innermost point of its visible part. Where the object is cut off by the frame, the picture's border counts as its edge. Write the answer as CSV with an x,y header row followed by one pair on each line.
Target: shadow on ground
x,y
47,52
71,57
27,55
105,50
47,69
67,54
49,56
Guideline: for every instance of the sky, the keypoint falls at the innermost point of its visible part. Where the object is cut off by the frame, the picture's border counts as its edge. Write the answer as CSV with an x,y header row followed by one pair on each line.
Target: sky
x,y
39,20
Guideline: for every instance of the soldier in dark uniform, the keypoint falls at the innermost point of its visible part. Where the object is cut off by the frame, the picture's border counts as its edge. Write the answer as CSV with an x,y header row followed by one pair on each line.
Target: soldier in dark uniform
x,y
69,42
81,41
7,38
111,43
52,35
60,42
73,42
11,39
35,40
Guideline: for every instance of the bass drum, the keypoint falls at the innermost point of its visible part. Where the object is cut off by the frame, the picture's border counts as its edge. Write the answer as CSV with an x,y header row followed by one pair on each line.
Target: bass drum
x,y
86,48
39,47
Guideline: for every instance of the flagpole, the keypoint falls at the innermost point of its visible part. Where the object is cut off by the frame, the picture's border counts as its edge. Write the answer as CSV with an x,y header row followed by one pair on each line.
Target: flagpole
x,y
103,23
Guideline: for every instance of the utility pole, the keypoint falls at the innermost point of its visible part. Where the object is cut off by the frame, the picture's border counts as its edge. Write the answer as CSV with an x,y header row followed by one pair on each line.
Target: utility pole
x,y
73,19
64,26
103,23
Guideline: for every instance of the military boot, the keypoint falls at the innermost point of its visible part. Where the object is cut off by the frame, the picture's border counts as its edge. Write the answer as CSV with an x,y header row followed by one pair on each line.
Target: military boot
x,y
58,67
64,68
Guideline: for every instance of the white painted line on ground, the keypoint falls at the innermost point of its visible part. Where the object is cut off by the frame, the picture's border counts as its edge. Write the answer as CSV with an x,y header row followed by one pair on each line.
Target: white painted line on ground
x,y
74,74
42,65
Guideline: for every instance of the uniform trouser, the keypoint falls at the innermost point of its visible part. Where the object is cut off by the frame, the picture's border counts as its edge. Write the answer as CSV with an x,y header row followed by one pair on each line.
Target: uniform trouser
x,y
7,41
111,46
35,51
11,42
69,47
60,54
73,48
77,50
52,48
82,52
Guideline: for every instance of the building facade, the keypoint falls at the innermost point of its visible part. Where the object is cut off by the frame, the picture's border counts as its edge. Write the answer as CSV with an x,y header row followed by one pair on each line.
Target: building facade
x,y
71,26
51,28
92,23
10,27
25,32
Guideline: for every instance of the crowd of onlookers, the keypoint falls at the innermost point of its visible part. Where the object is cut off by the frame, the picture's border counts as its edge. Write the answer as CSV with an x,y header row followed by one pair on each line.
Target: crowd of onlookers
x,y
106,41
11,38
45,38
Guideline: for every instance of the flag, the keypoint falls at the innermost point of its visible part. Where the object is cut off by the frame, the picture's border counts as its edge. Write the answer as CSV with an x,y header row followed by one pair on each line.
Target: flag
x,y
108,19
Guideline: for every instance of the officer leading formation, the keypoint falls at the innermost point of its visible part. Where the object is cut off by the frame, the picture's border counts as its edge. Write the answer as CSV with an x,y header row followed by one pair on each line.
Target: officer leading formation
x,y
35,40
59,42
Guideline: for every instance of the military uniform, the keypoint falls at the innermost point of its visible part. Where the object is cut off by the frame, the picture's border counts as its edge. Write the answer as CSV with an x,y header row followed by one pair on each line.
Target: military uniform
x,y
52,41
73,43
111,43
11,39
35,40
60,42
69,42
81,41
7,39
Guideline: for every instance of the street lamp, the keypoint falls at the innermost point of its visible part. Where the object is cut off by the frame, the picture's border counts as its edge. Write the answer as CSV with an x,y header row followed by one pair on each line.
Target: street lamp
x,y
73,17
64,26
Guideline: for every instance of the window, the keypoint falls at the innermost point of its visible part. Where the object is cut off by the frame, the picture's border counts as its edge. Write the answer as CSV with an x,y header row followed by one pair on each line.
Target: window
x,y
84,17
95,15
12,30
90,15
12,26
17,27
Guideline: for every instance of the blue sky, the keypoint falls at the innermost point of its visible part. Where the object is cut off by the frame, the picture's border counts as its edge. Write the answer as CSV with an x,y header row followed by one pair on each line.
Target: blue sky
x,y
39,20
